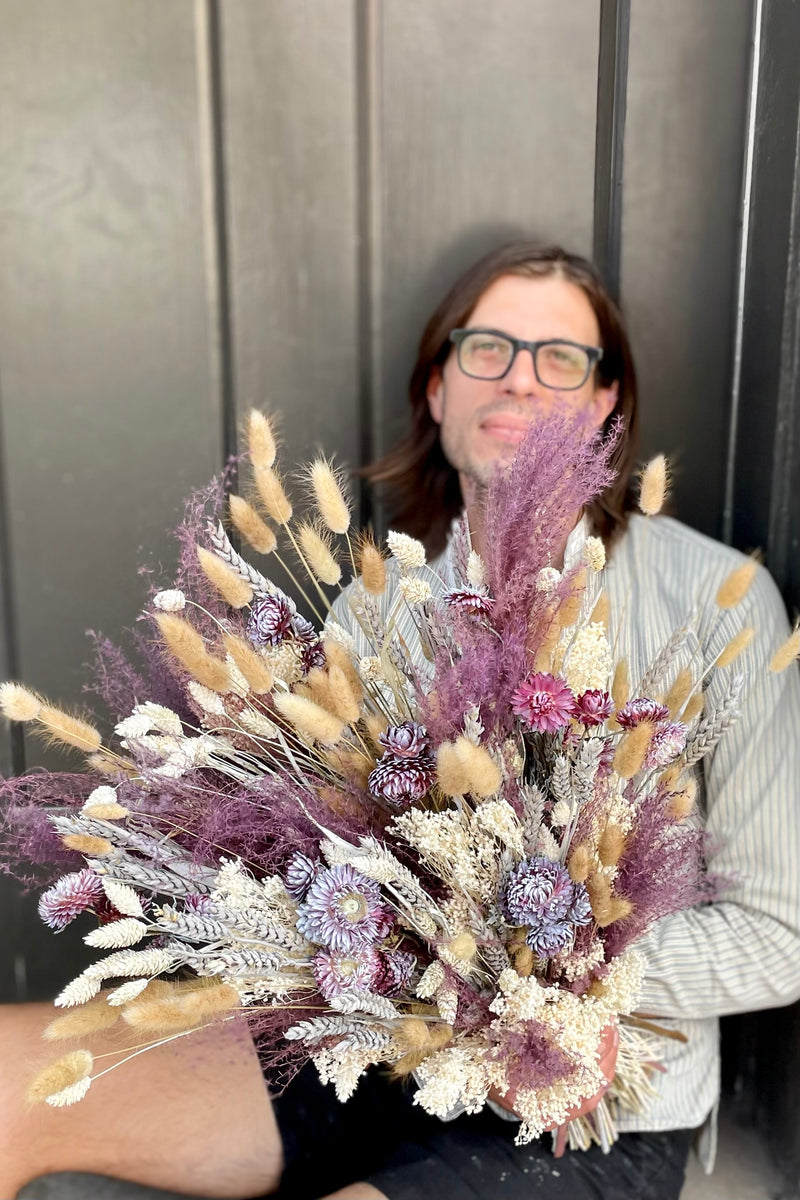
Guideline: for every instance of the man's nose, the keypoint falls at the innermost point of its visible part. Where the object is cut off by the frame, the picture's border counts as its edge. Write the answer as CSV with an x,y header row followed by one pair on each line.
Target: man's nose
x,y
521,379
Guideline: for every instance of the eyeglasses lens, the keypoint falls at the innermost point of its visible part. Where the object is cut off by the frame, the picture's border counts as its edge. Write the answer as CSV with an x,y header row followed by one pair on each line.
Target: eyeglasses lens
x,y
558,364
485,355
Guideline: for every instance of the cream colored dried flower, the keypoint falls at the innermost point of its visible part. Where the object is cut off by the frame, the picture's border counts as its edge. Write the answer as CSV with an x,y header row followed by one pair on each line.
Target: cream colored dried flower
x,y
735,646
329,493
407,550
594,553
255,531
260,439
369,668
736,585
310,718
318,552
18,703
654,486
476,570
431,980
414,590
272,495
172,600
64,1073
787,653
547,580
589,660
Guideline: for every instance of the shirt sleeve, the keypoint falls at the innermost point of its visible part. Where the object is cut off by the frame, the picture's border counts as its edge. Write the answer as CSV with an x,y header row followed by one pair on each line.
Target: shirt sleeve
x,y
743,951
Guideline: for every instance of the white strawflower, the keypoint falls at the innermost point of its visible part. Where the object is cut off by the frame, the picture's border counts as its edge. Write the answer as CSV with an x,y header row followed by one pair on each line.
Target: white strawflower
x,y
476,570
171,600
407,550
594,553
415,591
548,580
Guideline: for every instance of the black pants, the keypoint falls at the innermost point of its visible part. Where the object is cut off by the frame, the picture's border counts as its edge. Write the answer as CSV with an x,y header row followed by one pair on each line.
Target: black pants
x,y
381,1137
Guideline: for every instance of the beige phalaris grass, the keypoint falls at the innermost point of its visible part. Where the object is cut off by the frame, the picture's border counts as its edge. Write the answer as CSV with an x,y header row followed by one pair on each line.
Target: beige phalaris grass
x,y
272,495
579,863
736,585
611,845
180,1009
681,803
735,646
234,590
631,751
371,566
343,698
67,730
109,764
694,707
318,551
106,811
87,843
329,493
185,643
58,1076
19,703
255,670
654,484
253,528
606,907
464,767
310,718
337,656
260,439
463,947
601,611
679,691
785,655
91,1017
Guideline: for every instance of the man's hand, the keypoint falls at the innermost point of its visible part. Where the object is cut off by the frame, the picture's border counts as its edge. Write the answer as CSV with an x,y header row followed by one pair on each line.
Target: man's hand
x,y
609,1045
356,1191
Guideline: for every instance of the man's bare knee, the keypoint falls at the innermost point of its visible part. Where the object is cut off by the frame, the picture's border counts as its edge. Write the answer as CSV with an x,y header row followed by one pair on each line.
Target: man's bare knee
x,y
193,1115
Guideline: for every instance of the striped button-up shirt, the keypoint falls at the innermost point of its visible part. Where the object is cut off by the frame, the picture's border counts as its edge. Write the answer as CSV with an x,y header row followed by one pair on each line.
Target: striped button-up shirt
x,y
743,951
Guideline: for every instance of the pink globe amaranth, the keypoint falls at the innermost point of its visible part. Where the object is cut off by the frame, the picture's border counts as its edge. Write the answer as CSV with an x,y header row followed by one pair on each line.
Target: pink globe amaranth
x,y
544,702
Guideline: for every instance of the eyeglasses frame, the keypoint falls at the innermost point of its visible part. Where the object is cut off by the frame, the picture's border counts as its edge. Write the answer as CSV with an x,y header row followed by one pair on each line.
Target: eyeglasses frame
x,y
594,354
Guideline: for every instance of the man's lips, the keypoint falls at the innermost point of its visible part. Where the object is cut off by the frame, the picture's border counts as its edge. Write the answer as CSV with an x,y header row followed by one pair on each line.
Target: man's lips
x,y
505,427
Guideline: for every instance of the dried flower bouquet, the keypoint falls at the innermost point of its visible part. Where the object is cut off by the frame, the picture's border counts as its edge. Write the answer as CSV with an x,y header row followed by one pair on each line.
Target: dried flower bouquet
x,y
426,834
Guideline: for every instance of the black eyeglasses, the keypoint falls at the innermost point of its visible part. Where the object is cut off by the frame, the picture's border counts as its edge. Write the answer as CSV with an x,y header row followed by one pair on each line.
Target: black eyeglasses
x,y
489,354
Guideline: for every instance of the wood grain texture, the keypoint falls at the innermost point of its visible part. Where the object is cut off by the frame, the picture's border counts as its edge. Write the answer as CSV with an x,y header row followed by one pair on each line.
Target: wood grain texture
x,y
687,76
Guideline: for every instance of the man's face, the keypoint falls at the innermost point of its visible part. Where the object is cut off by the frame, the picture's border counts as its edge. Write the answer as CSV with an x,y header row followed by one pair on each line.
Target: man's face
x,y
482,421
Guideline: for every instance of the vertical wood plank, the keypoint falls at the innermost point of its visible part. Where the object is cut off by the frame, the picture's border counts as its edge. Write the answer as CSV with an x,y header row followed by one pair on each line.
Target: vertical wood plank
x,y
289,123
687,72
111,409
487,135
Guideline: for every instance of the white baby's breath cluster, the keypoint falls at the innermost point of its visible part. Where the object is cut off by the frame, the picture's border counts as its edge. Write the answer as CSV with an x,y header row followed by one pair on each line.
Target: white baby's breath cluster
x,y
588,662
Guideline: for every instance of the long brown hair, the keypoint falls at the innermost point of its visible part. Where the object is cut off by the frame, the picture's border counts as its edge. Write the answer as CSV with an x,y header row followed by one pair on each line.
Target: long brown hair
x,y
424,491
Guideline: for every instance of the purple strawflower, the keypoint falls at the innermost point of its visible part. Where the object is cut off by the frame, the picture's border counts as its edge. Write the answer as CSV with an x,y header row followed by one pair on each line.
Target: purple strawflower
x,y
270,619
541,895
470,601
301,871
394,973
400,781
405,741
69,897
593,707
641,709
544,702
354,971
667,742
195,902
343,910
312,655
303,630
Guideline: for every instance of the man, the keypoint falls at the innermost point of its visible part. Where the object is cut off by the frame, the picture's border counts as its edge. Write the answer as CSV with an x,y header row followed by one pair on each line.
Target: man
x,y
524,329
